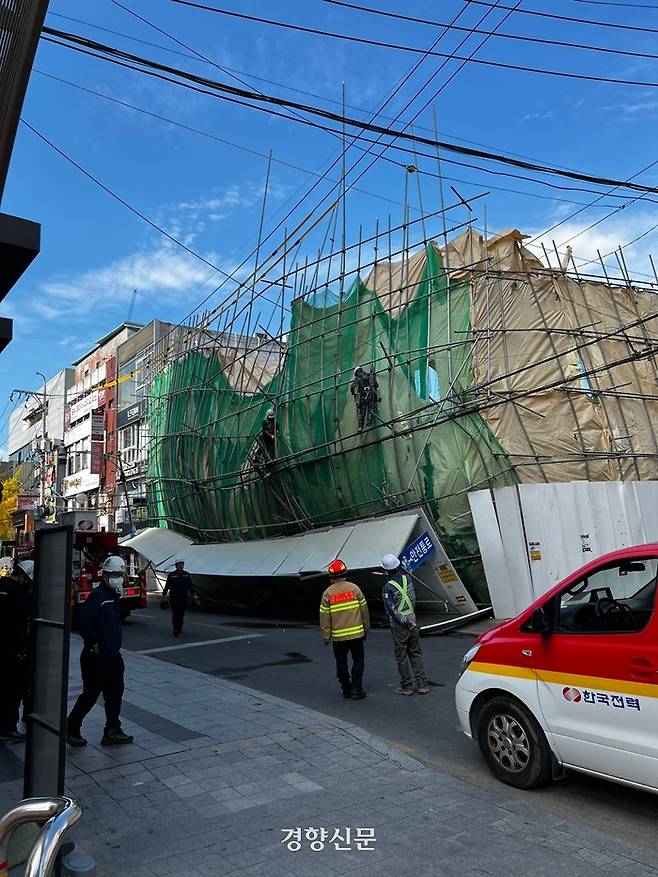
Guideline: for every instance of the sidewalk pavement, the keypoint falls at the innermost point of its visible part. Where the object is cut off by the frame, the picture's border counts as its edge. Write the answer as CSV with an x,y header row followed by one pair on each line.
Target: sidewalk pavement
x,y
218,771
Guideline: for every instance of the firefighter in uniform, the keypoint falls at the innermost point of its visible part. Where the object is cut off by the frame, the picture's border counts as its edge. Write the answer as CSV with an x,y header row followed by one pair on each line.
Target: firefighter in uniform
x,y
344,621
179,584
101,663
15,607
399,599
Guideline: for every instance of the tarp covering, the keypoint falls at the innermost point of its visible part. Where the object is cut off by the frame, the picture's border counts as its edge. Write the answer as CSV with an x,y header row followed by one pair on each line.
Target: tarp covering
x,y
201,473
361,545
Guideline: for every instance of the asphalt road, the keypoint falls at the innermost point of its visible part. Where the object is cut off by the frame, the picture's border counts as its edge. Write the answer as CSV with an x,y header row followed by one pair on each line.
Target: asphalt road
x,y
288,659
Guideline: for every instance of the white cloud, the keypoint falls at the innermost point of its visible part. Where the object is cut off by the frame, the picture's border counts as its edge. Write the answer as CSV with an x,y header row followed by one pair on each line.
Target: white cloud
x,y
636,234
162,272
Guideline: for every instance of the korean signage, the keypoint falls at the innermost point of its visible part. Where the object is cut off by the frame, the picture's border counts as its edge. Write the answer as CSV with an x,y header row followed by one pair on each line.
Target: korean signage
x,y
83,406
97,425
81,482
97,458
416,554
131,414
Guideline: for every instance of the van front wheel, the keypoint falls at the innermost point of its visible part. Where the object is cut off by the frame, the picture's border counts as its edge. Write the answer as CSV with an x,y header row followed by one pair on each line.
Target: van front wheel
x,y
513,744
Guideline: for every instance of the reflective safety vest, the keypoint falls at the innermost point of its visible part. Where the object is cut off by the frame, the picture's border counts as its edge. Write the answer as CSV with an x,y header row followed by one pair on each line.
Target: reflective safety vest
x,y
343,612
405,607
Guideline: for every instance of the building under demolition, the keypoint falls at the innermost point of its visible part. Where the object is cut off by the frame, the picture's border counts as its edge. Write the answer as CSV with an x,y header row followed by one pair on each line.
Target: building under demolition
x,y
493,369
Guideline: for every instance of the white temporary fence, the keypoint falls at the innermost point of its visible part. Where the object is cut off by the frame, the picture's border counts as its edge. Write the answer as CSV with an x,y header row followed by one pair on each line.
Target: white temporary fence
x,y
533,535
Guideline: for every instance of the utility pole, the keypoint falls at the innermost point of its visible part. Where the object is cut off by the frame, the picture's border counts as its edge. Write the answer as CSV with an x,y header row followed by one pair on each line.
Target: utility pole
x,y
44,430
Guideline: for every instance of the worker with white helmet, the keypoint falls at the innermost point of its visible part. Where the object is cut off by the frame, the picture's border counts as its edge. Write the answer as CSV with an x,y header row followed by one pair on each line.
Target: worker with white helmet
x,y
399,601
100,661
15,606
178,585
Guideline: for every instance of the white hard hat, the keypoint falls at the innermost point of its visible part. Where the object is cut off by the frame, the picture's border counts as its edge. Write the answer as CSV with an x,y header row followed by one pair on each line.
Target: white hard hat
x,y
113,566
178,560
390,561
27,566
359,368
271,412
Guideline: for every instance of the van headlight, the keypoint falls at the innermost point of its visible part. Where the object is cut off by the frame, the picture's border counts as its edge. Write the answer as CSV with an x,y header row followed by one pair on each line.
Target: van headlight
x,y
468,657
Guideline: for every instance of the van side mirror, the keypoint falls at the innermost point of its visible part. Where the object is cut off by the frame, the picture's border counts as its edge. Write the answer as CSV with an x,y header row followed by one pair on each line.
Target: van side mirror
x,y
540,622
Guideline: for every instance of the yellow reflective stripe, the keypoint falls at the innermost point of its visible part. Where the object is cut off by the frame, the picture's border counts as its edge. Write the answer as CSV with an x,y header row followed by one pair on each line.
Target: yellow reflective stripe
x,y
602,683
340,607
362,601
325,609
347,631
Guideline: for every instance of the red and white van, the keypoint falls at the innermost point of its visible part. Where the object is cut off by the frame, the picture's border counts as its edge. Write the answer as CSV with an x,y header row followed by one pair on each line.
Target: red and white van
x,y
572,682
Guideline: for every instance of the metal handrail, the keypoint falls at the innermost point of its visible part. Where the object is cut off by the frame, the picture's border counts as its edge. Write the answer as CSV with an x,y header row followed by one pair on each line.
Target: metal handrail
x,y
58,814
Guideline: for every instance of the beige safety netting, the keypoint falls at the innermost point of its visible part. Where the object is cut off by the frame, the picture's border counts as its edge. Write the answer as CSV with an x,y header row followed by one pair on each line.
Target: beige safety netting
x,y
557,364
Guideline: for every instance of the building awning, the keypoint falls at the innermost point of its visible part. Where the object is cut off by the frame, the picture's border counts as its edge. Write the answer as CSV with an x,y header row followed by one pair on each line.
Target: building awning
x,y
361,544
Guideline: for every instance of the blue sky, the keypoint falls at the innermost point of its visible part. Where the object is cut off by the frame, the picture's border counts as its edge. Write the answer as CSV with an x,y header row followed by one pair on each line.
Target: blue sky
x,y
209,194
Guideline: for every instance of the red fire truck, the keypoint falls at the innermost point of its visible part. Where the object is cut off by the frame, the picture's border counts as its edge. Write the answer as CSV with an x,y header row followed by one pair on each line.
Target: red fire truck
x,y
90,548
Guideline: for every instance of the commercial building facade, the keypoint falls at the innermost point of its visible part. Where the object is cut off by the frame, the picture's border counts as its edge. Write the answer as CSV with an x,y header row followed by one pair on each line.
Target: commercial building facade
x,y
90,428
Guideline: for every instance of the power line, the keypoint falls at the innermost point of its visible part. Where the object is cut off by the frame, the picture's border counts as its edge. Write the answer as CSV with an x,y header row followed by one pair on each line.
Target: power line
x,y
571,19
474,30
623,5
232,94
193,130
274,82
524,68
125,203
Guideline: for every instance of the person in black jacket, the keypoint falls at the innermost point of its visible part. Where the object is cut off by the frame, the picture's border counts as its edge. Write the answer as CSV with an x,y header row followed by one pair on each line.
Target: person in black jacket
x,y
179,584
15,606
101,663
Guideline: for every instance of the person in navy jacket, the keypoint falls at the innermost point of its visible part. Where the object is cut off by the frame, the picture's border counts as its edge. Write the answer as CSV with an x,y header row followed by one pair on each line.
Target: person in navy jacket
x,y
100,661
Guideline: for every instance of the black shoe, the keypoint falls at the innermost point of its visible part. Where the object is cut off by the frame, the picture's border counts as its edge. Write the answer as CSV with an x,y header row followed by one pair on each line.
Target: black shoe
x,y
75,739
116,737
358,694
347,695
177,633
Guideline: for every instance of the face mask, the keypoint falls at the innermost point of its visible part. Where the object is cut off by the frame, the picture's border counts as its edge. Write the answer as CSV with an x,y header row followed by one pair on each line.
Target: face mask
x,y
116,582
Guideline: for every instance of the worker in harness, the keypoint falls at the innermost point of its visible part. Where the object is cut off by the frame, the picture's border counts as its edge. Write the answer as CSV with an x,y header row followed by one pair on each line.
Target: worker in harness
x,y
399,602
344,621
364,389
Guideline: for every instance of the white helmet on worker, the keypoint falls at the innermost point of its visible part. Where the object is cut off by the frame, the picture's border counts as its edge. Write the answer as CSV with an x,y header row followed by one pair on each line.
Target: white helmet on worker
x,y
390,562
179,560
358,369
271,412
27,567
113,570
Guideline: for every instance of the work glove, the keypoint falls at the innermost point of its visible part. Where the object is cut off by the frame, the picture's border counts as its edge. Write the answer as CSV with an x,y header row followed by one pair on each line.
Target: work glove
x,y
92,649
164,603
196,601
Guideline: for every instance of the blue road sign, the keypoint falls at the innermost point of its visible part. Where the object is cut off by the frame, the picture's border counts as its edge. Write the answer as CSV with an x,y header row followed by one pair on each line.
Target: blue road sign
x,y
416,554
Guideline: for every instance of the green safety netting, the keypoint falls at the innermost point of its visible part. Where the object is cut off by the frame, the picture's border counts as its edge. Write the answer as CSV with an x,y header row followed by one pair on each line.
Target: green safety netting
x,y
202,481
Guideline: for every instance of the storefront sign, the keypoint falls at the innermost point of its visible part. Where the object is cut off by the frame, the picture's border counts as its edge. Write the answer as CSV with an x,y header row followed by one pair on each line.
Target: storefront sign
x,y
81,482
130,415
98,425
83,406
97,458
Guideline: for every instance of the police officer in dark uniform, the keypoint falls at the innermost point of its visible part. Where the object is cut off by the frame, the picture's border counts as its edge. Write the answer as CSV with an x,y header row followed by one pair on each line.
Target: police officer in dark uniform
x,y
15,606
100,661
179,584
